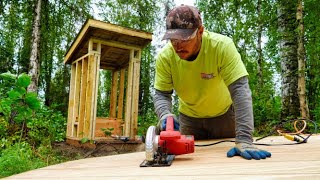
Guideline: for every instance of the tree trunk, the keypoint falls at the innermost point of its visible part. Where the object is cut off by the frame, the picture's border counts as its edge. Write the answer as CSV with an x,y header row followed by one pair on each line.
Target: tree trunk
x,y
34,57
259,49
304,110
289,60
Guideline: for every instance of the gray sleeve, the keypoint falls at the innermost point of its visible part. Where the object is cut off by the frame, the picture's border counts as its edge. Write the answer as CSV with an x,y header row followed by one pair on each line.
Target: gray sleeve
x,y
162,102
242,102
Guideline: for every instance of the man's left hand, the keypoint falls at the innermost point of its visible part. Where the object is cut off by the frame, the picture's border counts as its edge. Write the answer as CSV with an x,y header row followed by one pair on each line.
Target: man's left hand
x,y
248,151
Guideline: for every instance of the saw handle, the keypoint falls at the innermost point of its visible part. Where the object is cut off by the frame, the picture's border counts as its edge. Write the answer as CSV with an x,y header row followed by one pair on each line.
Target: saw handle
x,y
170,123
169,133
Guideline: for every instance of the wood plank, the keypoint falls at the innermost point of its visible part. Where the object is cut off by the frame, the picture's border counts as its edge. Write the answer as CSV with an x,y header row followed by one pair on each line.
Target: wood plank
x,y
135,93
77,90
71,101
83,96
97,59
76,42
119,29
128,115
287,162
121,93
116,44
102,122
90,95
114,93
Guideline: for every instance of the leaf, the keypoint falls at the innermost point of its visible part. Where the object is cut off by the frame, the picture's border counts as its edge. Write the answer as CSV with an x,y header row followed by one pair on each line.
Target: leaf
x,y
32,100
21,90
13,94
23,80
84,140
5,106
8,76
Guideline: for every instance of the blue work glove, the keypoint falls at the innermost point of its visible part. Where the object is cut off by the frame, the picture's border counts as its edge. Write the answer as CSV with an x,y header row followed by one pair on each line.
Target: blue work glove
x,y
248,151
162,124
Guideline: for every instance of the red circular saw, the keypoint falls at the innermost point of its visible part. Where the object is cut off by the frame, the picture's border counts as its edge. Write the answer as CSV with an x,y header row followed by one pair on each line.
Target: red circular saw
x,y
161,149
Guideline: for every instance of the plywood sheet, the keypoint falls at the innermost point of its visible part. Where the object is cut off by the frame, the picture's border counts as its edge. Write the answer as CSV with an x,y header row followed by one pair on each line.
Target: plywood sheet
x,y
294,162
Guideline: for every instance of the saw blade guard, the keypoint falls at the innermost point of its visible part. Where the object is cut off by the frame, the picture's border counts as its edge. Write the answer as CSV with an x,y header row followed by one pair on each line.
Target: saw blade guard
x,y
151,143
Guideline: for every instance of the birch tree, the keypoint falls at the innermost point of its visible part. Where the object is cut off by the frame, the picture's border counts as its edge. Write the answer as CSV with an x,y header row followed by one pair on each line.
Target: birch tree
x,y
289,60
34,58
304,110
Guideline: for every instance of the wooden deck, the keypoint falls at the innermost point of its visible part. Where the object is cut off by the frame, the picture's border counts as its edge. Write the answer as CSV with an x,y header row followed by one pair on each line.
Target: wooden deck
x,y
291,161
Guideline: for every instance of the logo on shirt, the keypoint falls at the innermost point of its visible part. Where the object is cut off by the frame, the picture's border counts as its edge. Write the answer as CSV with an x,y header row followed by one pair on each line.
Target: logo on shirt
x,y
207,76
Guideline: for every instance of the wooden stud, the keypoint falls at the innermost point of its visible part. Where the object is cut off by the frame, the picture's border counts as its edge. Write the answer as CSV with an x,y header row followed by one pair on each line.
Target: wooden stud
x,y
121,93
135,93
81,58
128,116
76,99
97,57
71,101
114,92
90,45
89,94
83,96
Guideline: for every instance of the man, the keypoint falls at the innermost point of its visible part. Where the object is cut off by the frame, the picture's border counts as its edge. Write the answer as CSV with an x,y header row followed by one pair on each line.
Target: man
x,y
206,72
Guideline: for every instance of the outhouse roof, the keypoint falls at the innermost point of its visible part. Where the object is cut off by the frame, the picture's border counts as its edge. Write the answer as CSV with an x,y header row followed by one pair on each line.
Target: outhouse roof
x,y
115,34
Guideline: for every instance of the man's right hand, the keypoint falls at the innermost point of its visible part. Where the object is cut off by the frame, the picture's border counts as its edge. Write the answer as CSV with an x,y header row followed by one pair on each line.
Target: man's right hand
x,y
162,124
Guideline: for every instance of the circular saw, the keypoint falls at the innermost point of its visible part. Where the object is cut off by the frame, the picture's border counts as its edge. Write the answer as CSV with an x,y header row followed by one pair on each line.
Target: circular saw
x,y
160,150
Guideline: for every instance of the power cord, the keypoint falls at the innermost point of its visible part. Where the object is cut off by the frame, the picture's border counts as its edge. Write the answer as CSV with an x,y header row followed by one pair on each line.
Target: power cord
x,y
296,136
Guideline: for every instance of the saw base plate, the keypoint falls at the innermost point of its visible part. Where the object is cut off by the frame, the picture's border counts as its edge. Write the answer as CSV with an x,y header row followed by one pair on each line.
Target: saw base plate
x,y
167,162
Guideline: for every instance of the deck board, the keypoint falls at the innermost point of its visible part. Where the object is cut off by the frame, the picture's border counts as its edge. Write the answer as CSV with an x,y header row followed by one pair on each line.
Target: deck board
x,y
294,161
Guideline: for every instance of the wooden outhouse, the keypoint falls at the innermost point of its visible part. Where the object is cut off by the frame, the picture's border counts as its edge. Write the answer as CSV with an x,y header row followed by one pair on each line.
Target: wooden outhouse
x,y
101,45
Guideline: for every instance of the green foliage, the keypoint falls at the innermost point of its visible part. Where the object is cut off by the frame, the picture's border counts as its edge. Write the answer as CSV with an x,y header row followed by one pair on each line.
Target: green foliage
x,y
23,116
47,126
18,158
84,140
17,104
145,121
107,131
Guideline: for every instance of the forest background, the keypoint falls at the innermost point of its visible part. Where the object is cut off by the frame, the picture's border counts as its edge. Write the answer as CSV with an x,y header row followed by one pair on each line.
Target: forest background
x,y
279,42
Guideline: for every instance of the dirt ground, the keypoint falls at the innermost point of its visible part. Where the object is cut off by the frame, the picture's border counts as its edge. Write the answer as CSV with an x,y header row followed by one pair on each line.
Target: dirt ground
x,y
99,149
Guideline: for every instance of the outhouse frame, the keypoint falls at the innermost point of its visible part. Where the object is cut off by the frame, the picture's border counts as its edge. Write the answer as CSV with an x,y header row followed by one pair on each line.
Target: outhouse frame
x,y
101,45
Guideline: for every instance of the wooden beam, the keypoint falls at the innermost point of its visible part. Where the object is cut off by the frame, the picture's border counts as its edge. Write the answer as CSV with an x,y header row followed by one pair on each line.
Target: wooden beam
x,y
128,111
90,97
83,96
81,58
97,67
71,101
119,29
121,93
75,44
114,92
136,56
115,44
76,99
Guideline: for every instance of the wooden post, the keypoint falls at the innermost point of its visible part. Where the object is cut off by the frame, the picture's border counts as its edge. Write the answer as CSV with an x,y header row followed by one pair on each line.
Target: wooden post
x,y
128,117
83,97
76,95
97,55
132,99
71,101
114,92
121,93
135,93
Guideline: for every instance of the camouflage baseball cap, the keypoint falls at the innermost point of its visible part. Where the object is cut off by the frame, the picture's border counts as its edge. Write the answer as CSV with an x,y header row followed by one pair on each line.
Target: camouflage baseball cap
x,y
182,21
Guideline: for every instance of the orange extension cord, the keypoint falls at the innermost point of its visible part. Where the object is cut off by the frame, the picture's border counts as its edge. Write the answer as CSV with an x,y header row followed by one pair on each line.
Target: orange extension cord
x,y
292,136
